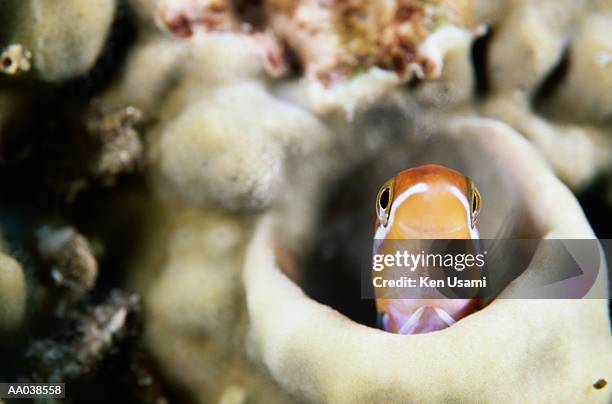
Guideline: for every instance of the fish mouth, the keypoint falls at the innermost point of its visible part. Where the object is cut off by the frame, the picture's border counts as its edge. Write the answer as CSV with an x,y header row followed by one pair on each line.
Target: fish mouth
x,y
422,320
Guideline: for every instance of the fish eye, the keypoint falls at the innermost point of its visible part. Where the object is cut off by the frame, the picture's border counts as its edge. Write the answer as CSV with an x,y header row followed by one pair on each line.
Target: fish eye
x,y
383,202
384,198
475,204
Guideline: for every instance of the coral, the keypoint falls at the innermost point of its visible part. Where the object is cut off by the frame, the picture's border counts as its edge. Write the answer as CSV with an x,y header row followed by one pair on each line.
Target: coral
x,y
12,294
185,17
455,83
530,45
149,73
91,335
577,152
346,45
586,92
117,141
64,38
15,59
194,19
333,41
195,270
75,265
230,147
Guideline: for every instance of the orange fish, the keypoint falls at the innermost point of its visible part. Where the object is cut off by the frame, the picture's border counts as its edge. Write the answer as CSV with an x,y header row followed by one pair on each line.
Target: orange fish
x,y
426,202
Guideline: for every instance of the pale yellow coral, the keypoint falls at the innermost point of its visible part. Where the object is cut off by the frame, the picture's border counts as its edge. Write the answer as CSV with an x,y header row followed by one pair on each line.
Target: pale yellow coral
x,y
12,294
586,94
148,75
195,306
578,153
529,40
230,148
528,48
64,37
451,48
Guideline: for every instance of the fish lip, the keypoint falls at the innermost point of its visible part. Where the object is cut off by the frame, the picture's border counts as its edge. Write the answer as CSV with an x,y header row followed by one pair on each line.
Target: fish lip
x,y
412,320
425,318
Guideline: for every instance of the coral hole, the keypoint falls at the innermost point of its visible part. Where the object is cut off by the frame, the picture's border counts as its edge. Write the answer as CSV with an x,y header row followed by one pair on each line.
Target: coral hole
x,y
6,62
342,245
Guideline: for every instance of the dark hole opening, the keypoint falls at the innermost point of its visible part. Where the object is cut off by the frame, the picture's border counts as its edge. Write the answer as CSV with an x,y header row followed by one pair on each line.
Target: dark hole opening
x,y
480,51
600,384
551,83
343,242
7,62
